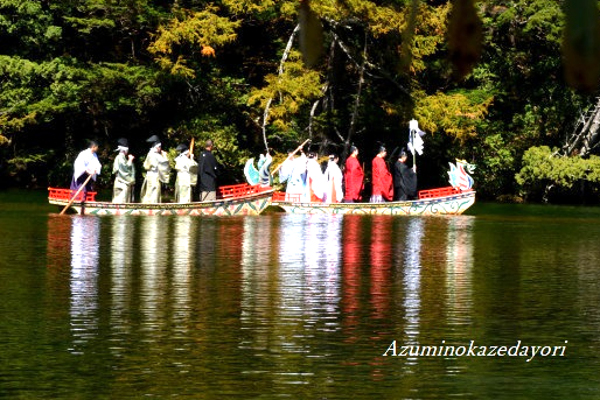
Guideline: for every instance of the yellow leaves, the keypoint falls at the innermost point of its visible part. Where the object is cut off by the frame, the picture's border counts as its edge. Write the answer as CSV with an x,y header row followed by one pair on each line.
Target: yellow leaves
x,y
427,38
180,68
389,109
204,29
14,123
287,93
249,6
455,114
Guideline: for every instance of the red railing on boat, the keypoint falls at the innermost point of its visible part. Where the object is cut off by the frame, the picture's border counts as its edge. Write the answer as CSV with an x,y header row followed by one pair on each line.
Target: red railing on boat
x,y
225,192
438,192
67,195
280,196
240,190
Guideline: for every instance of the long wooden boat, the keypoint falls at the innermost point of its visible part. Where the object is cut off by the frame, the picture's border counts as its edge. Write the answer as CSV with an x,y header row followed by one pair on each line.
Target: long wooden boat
x,y
233,200
439,201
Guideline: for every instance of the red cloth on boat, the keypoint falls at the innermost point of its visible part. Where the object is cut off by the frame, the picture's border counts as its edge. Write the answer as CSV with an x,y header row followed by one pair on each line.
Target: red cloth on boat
x,y
382,179
353,179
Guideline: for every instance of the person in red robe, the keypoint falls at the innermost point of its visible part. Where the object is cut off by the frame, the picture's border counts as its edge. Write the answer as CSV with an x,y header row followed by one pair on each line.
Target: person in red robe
x,y
383,186
353,177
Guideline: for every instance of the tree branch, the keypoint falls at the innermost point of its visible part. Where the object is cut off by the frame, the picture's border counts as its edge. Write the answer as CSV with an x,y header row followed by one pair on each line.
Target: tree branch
x,y
284,58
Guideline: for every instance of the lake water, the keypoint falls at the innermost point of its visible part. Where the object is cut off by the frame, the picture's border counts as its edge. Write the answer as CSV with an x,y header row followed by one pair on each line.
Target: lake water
x,y
300,307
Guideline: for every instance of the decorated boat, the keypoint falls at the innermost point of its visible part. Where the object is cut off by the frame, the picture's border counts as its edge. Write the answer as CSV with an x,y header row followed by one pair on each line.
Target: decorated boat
x,y
450,200
233,200
440,201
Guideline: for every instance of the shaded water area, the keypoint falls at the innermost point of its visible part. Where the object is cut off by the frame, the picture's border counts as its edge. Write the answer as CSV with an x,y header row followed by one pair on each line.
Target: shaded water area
x,y
300,307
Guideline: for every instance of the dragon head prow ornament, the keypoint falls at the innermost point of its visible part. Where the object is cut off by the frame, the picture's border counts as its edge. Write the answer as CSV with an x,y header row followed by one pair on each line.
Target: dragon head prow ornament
x,y
261,175
459,174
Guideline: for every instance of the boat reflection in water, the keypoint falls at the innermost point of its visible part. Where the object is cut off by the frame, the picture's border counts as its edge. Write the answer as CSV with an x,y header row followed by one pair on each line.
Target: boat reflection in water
x,y
154,258
122,255
411,283
353,250
459,256
183,259
295,294
290,294
84,281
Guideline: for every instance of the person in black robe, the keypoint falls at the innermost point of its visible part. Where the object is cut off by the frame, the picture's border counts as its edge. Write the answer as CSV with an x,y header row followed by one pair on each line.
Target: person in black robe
x,y
208,170
405,179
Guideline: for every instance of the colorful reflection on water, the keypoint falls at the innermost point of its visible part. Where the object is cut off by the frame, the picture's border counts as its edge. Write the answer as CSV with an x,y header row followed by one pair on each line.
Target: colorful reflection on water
x,y
295,306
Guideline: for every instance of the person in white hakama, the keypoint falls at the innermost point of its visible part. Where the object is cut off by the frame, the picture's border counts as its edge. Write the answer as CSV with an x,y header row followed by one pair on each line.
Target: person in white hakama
x,y
124,172
315,181
157,172
334,177
187,174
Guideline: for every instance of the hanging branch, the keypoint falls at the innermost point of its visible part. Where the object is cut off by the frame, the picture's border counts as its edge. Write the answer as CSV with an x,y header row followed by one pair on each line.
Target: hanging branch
x,y
284,58
379,70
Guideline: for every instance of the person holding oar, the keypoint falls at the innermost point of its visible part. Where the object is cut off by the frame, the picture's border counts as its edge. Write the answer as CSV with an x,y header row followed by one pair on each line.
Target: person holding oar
x,y
293,170
187,173
86,169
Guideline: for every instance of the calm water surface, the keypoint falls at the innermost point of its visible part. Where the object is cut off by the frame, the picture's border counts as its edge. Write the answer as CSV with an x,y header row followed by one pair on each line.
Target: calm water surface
x,y
298,307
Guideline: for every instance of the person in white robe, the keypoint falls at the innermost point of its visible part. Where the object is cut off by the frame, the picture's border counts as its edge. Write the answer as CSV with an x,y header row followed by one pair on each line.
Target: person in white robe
x,y
86,164
187,174
124,171
334,177
157,172
295,175
315,185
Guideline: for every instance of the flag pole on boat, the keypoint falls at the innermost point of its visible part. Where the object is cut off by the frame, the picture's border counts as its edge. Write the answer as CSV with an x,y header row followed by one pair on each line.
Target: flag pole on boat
x,y
415,143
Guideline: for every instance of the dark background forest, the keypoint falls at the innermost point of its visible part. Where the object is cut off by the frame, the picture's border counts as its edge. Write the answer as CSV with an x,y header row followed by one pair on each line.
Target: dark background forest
x,y
509,86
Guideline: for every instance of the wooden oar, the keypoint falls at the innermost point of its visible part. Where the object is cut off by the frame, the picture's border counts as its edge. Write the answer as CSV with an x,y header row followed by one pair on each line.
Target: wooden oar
x,y
291,155
76,194
192,147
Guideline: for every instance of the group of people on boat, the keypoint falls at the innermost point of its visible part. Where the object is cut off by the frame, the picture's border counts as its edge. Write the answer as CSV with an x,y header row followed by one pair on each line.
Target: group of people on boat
x,y
308,183
192,176
306,180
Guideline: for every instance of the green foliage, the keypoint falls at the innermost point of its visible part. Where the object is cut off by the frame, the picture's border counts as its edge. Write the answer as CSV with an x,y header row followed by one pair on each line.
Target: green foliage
x,y
26,29
34,93
541,166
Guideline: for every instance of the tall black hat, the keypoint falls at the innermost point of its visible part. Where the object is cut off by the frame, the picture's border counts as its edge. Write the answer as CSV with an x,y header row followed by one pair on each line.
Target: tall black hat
x,y
123,142
181,148
153,139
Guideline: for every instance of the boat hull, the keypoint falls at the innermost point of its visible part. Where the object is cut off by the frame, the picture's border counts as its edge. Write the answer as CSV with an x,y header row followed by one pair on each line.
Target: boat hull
x,y
454,204
248,205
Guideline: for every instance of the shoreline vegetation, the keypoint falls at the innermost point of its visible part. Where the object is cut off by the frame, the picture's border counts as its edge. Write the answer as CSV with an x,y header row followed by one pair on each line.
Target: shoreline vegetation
x,y
505,88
